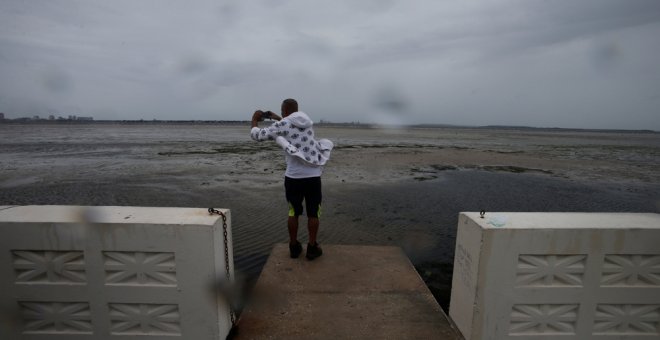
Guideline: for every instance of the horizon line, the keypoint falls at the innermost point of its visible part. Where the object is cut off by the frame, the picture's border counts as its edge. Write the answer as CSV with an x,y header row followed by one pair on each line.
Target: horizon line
x,y
357,124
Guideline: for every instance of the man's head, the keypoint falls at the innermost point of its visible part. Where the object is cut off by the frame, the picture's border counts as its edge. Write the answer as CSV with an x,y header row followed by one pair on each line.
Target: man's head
x,y
289,106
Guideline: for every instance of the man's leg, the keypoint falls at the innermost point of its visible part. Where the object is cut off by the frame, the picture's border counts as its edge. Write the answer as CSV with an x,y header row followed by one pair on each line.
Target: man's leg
x,y
312,228
295,197
295,248
293,229
313,199
313,248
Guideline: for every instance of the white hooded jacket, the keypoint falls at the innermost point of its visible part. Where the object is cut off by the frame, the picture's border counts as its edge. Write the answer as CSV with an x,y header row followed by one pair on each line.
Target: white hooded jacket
x,y
295,135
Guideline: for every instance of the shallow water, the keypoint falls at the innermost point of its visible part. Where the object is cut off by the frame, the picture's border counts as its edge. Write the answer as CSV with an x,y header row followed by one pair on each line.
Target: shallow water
x,y
385,187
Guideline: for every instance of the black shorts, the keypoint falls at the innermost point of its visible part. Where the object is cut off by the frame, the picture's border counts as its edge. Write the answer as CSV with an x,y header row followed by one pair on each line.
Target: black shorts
x,y
307,189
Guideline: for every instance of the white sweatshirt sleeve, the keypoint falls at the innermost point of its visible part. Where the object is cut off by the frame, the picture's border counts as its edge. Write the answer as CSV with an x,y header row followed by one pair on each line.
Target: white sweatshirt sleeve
x,y
267,133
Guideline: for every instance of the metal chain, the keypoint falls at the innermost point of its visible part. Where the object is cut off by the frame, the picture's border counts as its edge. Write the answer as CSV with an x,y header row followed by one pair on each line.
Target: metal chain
x,y
224,233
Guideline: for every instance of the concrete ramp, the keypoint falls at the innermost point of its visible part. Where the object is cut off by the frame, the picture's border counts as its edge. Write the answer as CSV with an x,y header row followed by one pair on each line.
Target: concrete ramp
x,y
356,292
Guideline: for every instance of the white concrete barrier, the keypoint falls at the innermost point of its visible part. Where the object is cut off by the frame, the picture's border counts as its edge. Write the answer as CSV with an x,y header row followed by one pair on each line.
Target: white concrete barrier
x,y
557,276
70,272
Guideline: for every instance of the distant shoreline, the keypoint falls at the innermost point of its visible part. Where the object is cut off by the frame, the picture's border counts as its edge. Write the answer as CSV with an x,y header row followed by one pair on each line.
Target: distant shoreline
x,y
324,124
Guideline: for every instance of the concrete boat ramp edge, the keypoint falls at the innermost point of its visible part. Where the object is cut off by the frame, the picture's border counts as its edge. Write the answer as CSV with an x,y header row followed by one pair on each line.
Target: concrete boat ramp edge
x,y
351,292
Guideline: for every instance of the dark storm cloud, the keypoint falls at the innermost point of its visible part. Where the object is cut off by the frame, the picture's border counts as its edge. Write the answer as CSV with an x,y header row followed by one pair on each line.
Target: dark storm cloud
x,y
193,65
587,63
57,81
230,74
550,24
390,99
509,28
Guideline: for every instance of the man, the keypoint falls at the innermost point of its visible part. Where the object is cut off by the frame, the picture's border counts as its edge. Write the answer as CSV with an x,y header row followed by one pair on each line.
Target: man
x,y
305,158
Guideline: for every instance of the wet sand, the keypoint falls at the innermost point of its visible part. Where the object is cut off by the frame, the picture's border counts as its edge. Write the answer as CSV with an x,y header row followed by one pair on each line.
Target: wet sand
x,y
384,187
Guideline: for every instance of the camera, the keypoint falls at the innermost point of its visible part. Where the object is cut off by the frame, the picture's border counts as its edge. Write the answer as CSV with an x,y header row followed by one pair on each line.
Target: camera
x,y
266,115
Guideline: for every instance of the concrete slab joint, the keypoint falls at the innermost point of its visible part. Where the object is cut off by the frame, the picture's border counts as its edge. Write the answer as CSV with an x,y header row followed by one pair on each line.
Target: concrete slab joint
x,y
557,275
73,272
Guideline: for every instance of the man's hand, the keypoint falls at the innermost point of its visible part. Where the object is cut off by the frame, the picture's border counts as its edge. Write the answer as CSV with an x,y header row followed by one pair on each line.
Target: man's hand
x,y
271,115
261,115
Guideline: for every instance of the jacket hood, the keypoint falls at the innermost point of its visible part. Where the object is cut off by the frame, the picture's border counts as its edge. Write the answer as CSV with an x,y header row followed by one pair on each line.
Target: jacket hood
x,y
300,119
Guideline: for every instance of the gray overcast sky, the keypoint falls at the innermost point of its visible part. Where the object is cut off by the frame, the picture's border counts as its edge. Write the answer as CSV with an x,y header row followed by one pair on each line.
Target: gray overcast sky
x,y
560,63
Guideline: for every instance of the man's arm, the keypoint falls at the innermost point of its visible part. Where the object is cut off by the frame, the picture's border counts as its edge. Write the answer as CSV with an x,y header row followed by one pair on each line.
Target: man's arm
x,y
274,116
257,116
267,133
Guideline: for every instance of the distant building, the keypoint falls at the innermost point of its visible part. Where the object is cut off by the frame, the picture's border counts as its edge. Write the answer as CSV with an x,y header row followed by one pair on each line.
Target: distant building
x,y
85,118
51,117
2,116
72,117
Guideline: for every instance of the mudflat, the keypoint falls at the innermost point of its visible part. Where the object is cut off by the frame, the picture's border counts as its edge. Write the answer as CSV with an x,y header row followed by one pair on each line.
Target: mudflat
x,y
402,187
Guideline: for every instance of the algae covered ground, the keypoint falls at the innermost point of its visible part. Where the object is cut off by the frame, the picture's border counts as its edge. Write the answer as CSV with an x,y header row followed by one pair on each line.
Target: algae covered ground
x,y
402,187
